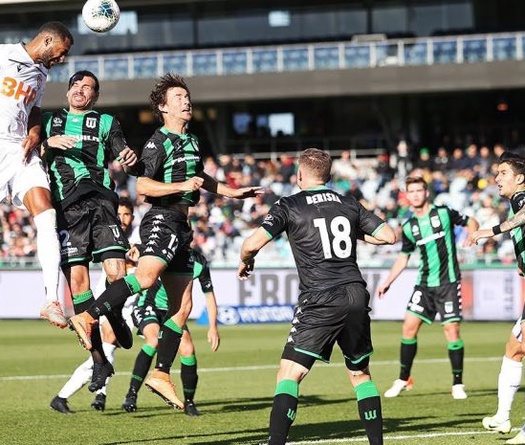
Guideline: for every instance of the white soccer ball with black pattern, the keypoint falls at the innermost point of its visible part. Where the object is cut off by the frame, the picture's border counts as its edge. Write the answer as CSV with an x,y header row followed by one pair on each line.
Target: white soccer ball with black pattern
x,y
101,15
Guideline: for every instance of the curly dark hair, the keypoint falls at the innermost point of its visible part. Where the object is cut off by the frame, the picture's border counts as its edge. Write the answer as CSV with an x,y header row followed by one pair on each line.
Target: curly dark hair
x,y
58,29
158,96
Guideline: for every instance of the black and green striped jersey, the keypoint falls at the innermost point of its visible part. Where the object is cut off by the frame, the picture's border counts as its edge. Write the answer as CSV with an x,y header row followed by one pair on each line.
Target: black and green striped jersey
x,y
433,234
84,168
156,295
518,234
169,158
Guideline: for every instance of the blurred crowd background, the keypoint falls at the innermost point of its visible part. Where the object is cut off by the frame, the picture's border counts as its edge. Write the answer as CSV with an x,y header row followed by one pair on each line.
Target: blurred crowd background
x,y
461,178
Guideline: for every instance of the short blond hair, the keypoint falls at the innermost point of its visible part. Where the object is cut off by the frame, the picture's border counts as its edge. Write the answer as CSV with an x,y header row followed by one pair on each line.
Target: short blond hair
x,y
317,162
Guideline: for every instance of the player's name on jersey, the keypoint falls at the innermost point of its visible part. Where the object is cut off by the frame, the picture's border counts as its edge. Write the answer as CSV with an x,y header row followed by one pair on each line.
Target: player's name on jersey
x,y
322,197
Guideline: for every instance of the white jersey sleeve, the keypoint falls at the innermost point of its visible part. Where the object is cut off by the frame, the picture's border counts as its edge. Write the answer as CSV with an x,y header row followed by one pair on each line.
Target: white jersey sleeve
x,y
22,85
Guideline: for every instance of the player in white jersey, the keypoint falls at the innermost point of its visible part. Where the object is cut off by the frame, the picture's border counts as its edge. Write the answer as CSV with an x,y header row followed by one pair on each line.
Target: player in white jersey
x,y
23,74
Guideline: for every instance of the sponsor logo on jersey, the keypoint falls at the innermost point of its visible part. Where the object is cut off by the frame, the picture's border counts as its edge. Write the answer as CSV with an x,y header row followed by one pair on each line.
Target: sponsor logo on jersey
x,y
151,144
87,137
186,159
430,238
268,220
18,90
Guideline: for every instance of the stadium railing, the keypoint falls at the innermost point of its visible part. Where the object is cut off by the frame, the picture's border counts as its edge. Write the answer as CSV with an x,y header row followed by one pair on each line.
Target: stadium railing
x,y
300,57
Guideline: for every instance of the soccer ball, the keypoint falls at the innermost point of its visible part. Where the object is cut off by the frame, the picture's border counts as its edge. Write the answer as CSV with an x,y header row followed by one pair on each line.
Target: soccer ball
x,y
101,15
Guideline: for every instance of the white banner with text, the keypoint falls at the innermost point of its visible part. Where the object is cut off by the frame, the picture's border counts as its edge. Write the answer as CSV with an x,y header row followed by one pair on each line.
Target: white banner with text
x,y
488,294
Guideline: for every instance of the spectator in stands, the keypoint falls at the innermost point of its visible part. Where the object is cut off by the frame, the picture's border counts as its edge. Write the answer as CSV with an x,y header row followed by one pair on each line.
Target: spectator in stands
x,y
472,158
485,162
441,161
344,170
458,162
401,161
424,161
498,150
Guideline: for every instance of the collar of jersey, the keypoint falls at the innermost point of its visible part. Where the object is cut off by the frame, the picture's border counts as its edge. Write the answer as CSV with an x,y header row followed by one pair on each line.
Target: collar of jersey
x,y
166,132
314,189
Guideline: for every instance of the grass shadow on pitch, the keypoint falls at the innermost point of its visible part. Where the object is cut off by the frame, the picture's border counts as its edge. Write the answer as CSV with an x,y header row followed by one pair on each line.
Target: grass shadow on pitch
x,y
249,404
253,436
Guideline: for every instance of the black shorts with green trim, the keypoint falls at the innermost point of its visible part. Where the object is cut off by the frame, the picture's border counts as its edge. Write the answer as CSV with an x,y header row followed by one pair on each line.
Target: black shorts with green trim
x,y
166,234
426,302
322,318
145,315
89,230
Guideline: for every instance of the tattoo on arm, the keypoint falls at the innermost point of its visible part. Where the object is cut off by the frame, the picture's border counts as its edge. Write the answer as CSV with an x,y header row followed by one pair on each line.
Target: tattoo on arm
x,y
515,221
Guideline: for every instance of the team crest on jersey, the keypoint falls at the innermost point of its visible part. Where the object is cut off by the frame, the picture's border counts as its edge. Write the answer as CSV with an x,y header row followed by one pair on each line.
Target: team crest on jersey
x,y
57,121
116,233
91,122
415,230
434,220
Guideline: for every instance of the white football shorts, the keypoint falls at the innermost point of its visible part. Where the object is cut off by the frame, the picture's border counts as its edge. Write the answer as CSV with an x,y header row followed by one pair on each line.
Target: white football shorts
x,y
17,178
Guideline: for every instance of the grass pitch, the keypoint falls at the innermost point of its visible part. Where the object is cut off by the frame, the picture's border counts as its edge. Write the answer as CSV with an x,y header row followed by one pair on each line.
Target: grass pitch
x,y
236,388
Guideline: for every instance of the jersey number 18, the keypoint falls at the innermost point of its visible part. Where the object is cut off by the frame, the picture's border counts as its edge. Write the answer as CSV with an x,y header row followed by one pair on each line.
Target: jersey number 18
x,y
340,228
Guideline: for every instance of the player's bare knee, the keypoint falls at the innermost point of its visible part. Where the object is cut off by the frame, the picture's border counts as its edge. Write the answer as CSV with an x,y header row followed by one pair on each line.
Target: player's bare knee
x,y
115,269
145,280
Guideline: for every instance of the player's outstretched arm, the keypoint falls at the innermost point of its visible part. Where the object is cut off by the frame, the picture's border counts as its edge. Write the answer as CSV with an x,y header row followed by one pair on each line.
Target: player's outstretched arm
x,y
214,338
214,186
514,221
477,235
399,265
150,187
250,248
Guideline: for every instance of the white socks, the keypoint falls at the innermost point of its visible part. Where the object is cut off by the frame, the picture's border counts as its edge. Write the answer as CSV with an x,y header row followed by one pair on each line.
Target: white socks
x,y
48,251
78,379
509,381
109,351
83,373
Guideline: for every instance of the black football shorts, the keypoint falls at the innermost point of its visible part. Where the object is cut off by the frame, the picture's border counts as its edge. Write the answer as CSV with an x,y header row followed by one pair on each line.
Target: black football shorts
x,y
89,230
322,318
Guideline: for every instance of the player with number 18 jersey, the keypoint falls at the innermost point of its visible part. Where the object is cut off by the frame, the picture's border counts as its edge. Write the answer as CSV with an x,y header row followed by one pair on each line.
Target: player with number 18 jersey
x,y
323,228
